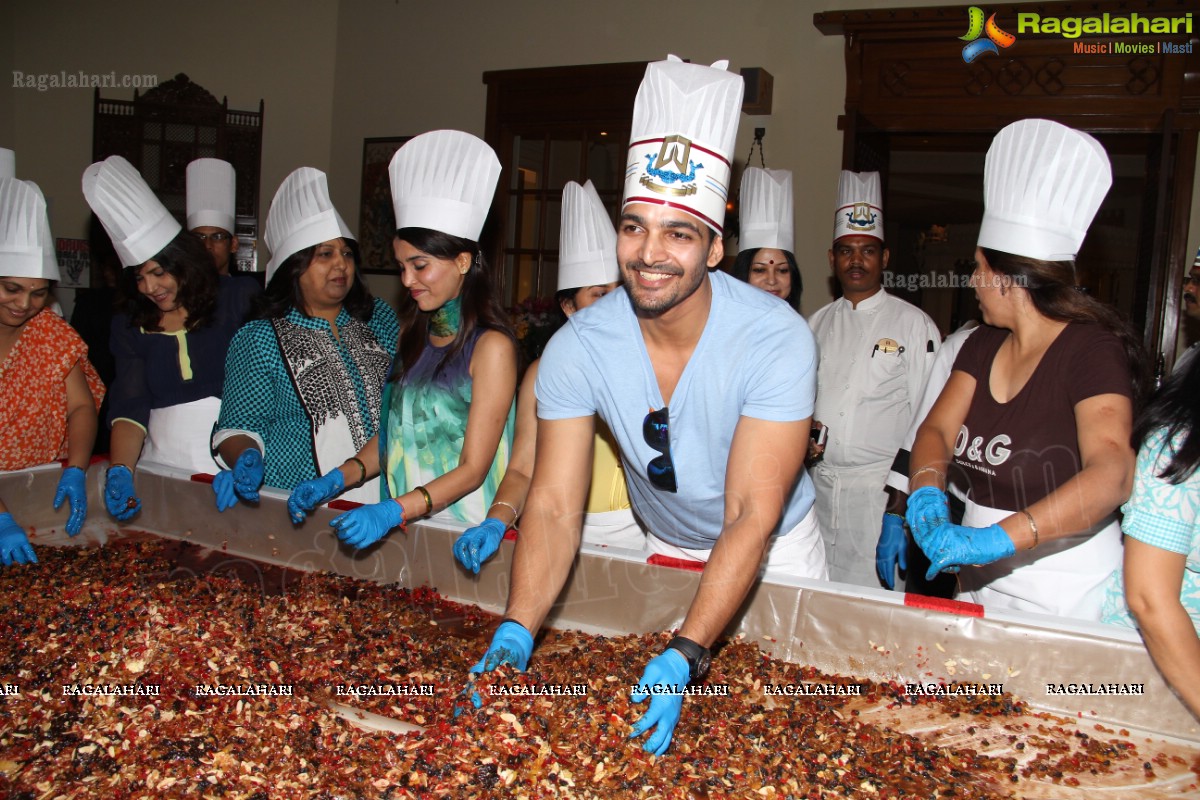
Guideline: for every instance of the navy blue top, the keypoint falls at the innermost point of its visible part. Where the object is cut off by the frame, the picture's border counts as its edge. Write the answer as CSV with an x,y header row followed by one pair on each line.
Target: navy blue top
x,y
159,370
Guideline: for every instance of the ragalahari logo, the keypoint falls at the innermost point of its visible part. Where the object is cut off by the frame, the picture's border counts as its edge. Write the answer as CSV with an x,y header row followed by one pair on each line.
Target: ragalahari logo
x,y
996,38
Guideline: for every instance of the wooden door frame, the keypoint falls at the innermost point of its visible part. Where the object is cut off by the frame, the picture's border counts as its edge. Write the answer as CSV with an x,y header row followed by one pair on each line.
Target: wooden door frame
x,y
905,72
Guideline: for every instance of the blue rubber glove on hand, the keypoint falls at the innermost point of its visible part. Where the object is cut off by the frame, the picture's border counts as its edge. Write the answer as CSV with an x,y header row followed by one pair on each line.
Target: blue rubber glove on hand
x,y
366,525
892,550
119,492
241,482
311,494
664,681
476,545
928,507
14,544
511,644
953,546
72,486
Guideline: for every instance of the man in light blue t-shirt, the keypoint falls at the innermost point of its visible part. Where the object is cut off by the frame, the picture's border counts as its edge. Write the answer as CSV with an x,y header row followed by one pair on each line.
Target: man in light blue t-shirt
x,y
707,385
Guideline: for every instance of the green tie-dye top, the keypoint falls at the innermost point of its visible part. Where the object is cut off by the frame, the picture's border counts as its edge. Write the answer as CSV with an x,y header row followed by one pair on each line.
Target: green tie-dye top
x,y
424,426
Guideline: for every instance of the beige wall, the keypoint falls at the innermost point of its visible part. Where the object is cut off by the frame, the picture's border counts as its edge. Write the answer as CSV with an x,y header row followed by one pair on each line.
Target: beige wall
x,y
333,73
282,51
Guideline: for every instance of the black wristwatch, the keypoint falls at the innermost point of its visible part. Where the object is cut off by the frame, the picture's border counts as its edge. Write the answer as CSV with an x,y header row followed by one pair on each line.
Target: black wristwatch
x,y
698,656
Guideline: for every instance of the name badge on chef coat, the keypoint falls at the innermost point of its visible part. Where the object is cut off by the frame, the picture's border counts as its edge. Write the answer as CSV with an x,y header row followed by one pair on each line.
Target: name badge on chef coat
x,y
888,347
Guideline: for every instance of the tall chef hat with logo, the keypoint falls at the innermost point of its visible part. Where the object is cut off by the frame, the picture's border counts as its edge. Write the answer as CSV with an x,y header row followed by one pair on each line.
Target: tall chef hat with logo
x,y
767,210
301,215
211,186
444,181
8,163
587,249
859,206
26,246
138,224
1042,186
685,121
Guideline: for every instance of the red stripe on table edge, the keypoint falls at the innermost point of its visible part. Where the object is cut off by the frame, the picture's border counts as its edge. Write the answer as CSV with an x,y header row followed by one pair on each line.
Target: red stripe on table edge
x,y
344,505
959,607
660,560
203,477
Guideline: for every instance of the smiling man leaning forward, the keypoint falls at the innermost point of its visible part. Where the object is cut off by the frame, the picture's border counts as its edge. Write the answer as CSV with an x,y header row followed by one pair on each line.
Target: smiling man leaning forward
x,y
706,382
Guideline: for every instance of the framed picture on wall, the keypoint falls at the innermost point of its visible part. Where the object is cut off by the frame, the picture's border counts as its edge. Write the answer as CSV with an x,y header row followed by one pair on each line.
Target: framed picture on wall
x,y
376,219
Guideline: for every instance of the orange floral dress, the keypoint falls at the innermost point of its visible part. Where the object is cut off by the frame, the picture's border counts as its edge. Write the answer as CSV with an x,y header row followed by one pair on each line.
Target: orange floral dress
x,y
33,391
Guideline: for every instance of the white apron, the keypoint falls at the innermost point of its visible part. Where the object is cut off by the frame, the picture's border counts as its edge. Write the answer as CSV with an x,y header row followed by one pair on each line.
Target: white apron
x,y
180,436
850,505
799,553
1065,577
331,446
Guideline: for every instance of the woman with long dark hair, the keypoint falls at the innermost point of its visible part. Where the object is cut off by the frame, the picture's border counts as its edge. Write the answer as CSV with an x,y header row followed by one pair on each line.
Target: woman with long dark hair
x,y
170,340
304,380
448,406
1160,584
1039,406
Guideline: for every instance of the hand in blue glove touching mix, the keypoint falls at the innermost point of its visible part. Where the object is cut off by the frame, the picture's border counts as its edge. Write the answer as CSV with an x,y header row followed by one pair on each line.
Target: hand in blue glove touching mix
x,y
952,546
892,550
241,482
14,544
120,498
663,682
313,493
511,644
71,486
476,545
366,525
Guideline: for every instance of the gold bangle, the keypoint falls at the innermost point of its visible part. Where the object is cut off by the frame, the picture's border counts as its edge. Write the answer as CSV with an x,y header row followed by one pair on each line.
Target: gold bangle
x,y
934,470
1033,527
362,476
428,500
509,507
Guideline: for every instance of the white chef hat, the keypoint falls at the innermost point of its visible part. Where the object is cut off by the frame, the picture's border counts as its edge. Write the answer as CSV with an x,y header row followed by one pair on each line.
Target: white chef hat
x,y
8,163
1042,185
444,181
211,186
859,205
767,210
587,248
685,122
301,215
138,224
26,246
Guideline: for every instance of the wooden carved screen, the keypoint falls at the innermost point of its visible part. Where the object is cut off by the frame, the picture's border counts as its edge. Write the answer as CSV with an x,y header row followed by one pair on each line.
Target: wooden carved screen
x,y
174,123
908,79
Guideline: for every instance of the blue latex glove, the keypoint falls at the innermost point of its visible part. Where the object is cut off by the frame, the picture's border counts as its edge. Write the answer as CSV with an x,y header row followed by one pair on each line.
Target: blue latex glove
x,y
367,524
892,550
476,545
14,544
311,494
71,486
511,644
668,674
952,546
241,482
928,508
118,491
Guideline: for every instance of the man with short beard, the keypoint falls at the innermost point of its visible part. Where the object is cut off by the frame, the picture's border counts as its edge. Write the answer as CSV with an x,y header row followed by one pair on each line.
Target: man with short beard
x,y
726,372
